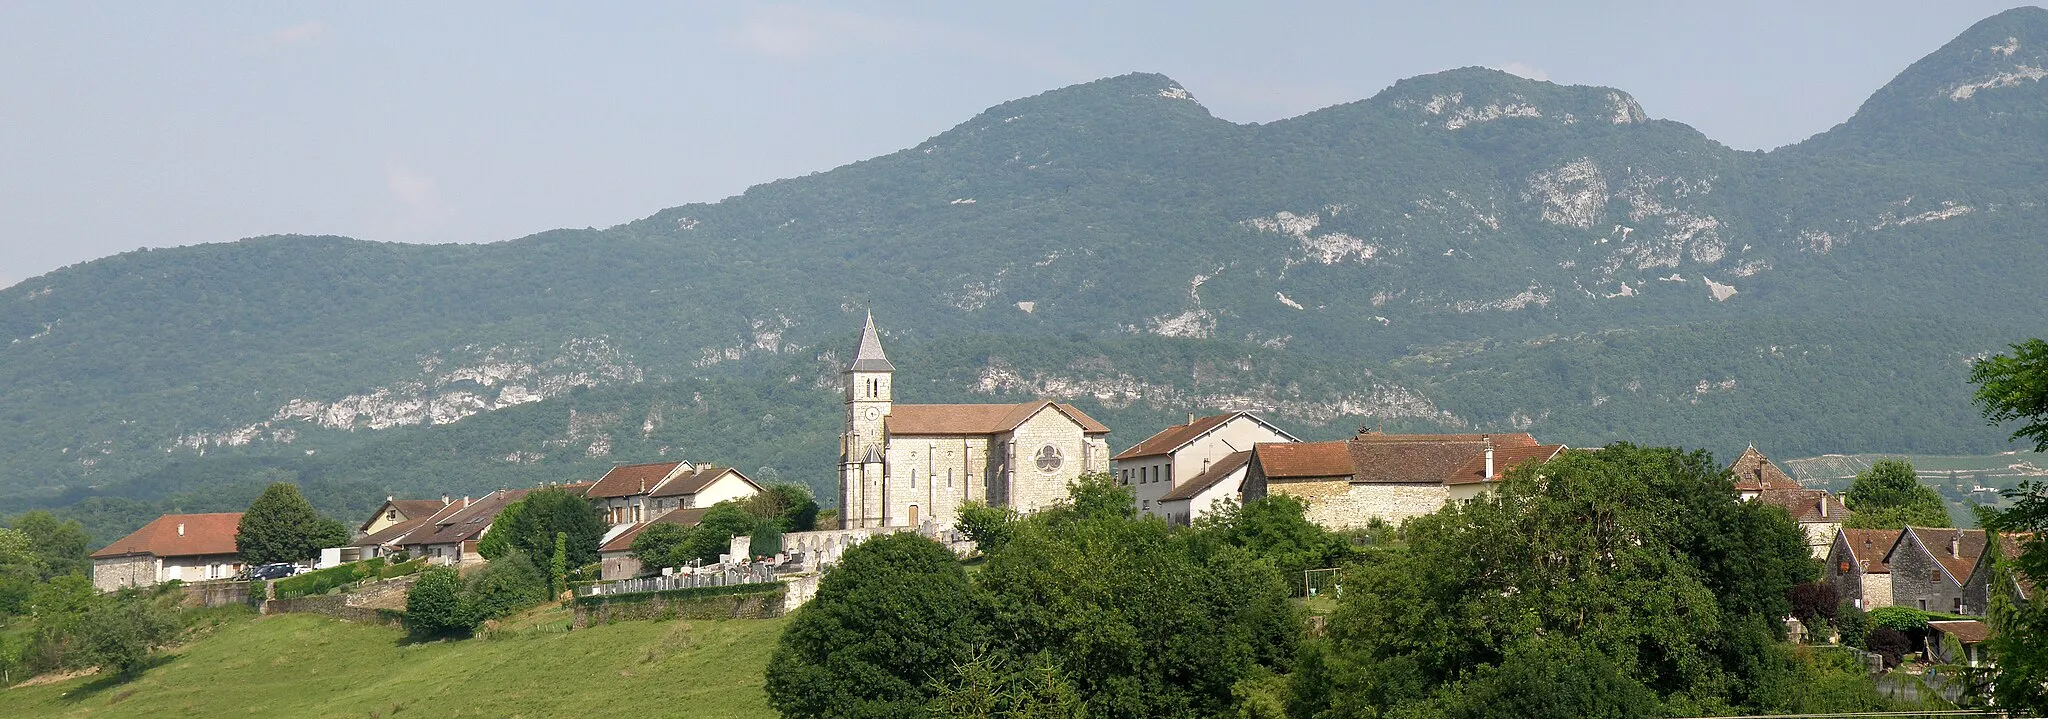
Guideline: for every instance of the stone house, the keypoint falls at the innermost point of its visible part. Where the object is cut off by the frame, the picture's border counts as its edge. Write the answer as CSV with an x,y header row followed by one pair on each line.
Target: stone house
x,y
1819,514
1755,473
907,465
615,552
185,547
636,493
1977,590
450,536
1197,496
1856,568
1930,566
1166,460
1348,483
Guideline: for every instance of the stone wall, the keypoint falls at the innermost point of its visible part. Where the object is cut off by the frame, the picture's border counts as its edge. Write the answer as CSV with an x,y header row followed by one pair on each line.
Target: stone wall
x,y
1031,489
1914,578
764,604
380,602
218,593
133,571
1339,504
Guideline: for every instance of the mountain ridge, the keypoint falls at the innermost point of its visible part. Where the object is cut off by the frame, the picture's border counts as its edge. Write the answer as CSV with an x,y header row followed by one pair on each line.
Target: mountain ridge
x,y
1462,250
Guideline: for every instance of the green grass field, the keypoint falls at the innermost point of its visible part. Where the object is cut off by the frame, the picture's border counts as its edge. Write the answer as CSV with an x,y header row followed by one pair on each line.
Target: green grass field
x,y
301,665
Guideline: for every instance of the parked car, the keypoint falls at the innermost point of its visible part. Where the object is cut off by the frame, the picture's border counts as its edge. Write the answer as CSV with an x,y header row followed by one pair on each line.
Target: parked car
x,y
273,571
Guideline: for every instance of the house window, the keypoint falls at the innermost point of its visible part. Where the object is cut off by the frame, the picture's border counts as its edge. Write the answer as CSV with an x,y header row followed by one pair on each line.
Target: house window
x,y
1923,605
1048,458
689,500
1959,605
1146,505
1934,576
1842,567
391,515
913,479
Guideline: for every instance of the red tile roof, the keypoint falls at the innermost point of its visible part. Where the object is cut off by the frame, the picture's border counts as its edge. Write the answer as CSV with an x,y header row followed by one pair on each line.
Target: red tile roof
x,y
1474,469
624,541
1967,631
1216,472
1755,473
1804,504
1869,547
1936,541
1294,460
950,419
629,480
179,535
1171,438
695,482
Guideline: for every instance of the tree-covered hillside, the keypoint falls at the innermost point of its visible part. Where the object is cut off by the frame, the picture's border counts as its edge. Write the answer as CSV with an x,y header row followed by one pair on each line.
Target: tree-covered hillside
x,y
1464,250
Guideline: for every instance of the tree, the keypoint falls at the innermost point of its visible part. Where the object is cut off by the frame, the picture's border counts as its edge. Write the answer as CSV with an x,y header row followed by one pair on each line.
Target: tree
x,y
529,525
766,539
988,527
790,505
281,526
508,584
1891,643
434,606
894,616
1814,604
20,570
558,566
663,544
2015,388
1276,528
121,634
1889,495
1144,619
1645,556
61,543
1853,624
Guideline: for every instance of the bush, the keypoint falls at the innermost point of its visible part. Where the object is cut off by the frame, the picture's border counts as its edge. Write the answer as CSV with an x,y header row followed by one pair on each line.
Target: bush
x,y
434,607
1890,643
322,581
509,584
120,636
988,527
401,569
1853,624
1899,619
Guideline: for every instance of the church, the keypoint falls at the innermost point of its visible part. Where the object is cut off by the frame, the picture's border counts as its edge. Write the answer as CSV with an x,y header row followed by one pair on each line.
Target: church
x,y
910,465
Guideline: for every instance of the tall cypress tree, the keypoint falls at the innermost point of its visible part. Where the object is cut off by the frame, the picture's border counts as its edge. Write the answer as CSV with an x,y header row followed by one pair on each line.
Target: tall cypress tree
x,y
281,526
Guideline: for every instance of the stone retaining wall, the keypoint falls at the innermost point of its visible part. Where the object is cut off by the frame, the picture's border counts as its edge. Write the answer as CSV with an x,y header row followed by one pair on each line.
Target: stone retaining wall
x,y
629,607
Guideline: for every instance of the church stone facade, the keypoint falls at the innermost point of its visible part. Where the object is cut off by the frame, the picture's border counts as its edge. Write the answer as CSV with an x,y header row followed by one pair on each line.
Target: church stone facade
x,y
912,465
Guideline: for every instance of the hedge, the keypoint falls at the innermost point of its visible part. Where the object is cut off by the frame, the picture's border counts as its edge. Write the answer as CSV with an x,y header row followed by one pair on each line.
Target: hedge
x,y
678,594
1906,619
322,581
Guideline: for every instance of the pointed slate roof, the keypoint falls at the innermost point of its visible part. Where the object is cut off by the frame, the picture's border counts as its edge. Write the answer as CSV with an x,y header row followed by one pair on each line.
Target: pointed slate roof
x,y
869,357
1755,473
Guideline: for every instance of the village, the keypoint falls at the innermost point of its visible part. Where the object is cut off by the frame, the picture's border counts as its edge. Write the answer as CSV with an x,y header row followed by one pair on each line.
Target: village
x,y
914,467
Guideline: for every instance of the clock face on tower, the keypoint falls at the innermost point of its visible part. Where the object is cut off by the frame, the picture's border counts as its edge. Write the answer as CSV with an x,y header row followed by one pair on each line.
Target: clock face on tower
x,y
873,413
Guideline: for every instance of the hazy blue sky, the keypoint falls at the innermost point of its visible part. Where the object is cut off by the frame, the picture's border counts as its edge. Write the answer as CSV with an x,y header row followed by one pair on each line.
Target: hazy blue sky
x,y
125,125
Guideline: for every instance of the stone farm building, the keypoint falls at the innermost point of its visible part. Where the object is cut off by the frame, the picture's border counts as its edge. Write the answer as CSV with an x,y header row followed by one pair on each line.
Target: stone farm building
x,y
1856,568
616,551
1177,455
185,547
908,465
1930,567
1819,514
1392,477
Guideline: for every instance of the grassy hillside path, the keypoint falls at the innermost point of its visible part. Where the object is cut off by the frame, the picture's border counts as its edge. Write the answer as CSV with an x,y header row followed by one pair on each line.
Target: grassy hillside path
x,y
310,666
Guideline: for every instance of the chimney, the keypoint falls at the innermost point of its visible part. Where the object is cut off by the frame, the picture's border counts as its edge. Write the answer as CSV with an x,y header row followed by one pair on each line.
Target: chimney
x,y
1955,545
181,529
388,498
1823,506
1191,418
444,499
1489,462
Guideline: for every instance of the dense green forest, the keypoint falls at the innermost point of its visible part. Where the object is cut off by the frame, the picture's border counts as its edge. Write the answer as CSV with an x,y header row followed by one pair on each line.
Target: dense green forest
x,y
1464,250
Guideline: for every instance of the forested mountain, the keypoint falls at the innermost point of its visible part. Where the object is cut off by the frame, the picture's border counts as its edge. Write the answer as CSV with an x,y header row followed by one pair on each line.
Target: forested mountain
x,y
1466,250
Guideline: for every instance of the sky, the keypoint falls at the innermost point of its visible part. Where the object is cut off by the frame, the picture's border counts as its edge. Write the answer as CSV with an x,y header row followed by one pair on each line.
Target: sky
x,y
127,125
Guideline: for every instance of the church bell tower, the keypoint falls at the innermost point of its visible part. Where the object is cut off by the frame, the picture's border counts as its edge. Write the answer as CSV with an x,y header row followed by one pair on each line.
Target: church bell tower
x,y
862,461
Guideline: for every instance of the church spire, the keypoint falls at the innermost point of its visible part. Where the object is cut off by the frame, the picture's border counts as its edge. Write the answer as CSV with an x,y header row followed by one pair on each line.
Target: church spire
x,y
869,357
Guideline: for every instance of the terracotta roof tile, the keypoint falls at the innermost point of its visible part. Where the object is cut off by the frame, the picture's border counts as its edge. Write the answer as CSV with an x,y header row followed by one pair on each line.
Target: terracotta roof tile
x,y
1412,462
1474,469
1967,631
1970,545
201,534
1754,473
950,419
695,482
1869,548
630,479
1288,460
393,534
1171,438
1216,472
1804,504
468,522
624,541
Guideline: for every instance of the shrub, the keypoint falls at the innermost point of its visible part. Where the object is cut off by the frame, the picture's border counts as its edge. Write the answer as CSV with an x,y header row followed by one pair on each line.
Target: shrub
x,y
1814,604
322,581
1899,619
1890,643
401,569
434,607
989,527
510,583
1854,625
121,636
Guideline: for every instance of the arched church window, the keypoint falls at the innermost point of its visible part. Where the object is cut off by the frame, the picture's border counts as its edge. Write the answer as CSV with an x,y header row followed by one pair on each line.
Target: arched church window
x,y
1048,458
